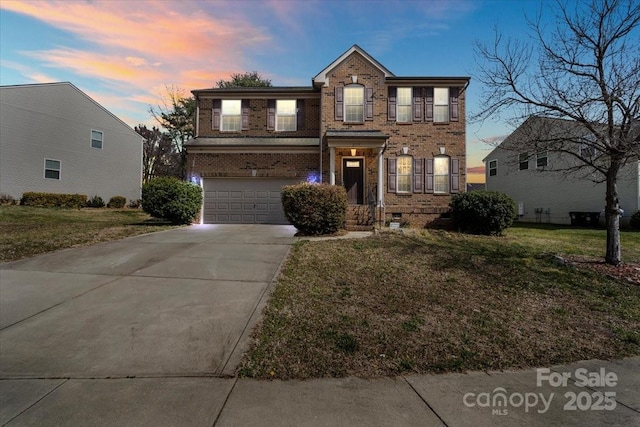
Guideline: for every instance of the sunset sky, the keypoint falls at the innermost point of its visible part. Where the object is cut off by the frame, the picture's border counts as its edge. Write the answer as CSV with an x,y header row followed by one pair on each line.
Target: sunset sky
x,y
123,53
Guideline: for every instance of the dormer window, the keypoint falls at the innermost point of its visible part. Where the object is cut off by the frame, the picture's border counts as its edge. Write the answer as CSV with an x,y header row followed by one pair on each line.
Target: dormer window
x,y
354,104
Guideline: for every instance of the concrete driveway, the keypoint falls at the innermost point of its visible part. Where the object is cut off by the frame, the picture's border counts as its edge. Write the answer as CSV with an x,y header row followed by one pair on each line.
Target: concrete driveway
x,y
173,309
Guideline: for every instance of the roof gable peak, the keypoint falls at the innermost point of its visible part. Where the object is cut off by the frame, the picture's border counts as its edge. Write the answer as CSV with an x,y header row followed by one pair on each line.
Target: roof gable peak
x,y
322,78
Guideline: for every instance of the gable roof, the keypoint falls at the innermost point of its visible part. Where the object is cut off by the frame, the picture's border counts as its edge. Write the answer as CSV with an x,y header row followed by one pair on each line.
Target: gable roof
x,y
322,77
72,86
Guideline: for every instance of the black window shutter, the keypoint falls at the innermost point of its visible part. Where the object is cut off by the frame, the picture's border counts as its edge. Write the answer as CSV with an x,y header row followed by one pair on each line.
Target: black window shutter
x,y
391,175
245,114
453,104
300,114
271,114
428,116
215,124
368,103
428,170
455,175
417,104
418,175
339,110
391,103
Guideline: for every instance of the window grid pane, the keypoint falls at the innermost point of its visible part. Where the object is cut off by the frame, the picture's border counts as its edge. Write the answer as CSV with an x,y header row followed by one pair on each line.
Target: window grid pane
x,y
441,113
286,123
404,173
523,159
541,160
441,175
354,104
285,115
493,168
231,123
230,120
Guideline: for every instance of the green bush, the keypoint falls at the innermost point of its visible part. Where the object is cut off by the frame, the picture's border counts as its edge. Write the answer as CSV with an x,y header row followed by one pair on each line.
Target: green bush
x,y
171,199
53,200
95,202
634,222
135,204
482,212
7,199
315,208
117,202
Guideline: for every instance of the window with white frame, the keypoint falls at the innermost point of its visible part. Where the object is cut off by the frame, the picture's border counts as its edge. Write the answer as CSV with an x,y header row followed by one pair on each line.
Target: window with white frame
x,y
441,174
441,104
286,115
231,115
96,139
354,104
404,174
404,101
541,159
523,160
493,167
52,169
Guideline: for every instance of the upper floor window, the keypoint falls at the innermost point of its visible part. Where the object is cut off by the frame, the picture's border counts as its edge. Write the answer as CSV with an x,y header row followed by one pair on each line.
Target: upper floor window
x,y
52,169
441,174
541,159
286,115
354,104
404,101
231,113
404,174
441,104
523,160
493,167
96,139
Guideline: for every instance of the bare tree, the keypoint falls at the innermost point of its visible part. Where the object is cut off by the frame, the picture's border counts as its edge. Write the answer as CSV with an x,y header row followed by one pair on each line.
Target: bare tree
x,y
587,70
177,116
158,155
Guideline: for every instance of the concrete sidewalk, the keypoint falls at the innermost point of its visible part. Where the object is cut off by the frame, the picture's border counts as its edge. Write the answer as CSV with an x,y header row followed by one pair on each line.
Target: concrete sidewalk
x,y
148,331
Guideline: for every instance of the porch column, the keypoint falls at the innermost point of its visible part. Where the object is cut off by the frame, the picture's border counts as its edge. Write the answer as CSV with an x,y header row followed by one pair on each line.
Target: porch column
x,y
332,166
380,177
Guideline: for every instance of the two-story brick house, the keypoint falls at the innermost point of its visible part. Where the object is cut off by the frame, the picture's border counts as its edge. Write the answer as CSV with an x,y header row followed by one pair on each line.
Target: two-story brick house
x,y
397,144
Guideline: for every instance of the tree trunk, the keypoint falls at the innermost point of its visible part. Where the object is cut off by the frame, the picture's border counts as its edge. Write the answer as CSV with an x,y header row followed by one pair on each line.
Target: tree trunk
x,y
612,216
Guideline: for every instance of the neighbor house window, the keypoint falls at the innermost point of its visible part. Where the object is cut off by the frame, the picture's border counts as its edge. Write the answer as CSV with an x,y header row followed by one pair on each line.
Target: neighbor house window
x,y
493,167
404,101
441,174
52,169
523,159
404,174
441,104
541,159
354,104
286,115
231,115
96,139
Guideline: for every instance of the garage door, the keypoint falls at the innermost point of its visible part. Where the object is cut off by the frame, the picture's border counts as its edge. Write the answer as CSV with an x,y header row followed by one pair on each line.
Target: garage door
x,y
244,201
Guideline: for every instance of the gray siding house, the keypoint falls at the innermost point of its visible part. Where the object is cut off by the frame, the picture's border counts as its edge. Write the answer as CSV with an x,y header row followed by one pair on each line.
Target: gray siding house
x,y
542,192
55,138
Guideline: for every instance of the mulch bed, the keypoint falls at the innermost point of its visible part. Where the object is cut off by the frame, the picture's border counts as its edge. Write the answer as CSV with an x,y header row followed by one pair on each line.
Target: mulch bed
x,y
627,271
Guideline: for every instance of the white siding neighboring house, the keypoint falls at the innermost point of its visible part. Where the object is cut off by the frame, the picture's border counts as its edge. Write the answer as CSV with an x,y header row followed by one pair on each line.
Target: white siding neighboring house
x,y
54,138
545,195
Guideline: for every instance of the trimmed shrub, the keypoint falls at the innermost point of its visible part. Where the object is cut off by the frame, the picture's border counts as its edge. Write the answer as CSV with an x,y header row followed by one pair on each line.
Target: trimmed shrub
x,y
315,208
53,200
482,212
171,199
95,202
6,199
634,222
117,202
135,204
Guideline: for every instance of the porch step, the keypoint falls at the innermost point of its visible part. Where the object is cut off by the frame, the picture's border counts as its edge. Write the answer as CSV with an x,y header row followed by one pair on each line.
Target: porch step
x,y
359,218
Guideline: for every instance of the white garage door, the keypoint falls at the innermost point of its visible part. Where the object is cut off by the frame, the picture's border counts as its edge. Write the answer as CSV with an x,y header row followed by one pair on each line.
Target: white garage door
x,y
244,200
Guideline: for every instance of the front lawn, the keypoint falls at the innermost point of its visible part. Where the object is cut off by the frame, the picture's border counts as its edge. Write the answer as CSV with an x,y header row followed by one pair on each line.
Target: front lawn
x,y
439,301
27,231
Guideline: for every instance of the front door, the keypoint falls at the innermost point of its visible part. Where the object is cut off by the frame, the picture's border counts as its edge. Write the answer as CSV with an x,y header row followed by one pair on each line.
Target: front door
x,y
352,172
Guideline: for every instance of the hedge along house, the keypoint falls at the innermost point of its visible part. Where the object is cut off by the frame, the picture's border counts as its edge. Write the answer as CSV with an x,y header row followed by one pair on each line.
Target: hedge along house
x,y
397,144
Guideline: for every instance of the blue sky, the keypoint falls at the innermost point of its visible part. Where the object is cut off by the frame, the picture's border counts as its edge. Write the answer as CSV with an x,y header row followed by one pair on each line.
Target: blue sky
x,y
124,53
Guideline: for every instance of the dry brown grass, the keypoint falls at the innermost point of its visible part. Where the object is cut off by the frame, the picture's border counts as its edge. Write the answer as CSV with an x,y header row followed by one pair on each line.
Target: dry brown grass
x,y
27,231
436,302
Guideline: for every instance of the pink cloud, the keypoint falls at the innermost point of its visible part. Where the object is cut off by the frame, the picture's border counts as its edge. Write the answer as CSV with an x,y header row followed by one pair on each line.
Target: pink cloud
x,y
476,170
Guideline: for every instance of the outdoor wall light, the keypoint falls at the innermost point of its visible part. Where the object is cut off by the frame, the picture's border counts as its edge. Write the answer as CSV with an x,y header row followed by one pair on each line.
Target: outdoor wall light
x,y
353,152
